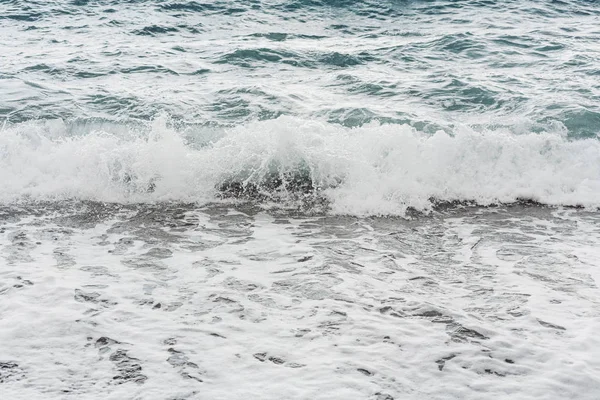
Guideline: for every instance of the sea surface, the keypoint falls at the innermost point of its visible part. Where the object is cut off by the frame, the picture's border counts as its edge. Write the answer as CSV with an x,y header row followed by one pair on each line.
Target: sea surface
x,y
300,199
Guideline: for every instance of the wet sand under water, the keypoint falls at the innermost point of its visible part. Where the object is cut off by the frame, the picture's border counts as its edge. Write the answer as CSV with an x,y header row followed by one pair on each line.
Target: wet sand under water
x,y
231,302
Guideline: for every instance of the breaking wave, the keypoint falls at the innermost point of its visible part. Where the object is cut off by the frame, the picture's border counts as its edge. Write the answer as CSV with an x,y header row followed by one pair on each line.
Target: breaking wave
x,y
369,170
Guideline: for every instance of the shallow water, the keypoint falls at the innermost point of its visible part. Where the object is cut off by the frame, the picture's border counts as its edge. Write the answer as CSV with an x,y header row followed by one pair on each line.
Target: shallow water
x,y
177,301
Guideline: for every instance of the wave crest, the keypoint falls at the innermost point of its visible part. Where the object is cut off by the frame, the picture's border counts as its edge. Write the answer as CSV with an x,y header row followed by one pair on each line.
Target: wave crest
x,y
372,169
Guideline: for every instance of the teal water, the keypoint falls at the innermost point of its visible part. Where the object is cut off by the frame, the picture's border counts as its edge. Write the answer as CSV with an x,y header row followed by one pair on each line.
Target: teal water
x,y
523,64
344,97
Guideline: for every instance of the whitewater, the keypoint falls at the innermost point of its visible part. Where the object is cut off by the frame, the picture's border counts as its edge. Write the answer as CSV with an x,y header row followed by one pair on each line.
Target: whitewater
x,y
369,170
299,199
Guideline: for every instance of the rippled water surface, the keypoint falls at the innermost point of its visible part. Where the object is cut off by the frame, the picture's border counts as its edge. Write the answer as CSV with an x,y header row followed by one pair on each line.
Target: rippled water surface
x,y
431,64
299,199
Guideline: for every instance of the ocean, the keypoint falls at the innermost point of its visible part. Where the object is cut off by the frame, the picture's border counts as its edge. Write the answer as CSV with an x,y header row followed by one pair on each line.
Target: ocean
x,y
300,199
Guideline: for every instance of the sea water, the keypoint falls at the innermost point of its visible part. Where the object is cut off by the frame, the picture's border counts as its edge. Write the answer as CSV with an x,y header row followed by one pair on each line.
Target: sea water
x,y
299,199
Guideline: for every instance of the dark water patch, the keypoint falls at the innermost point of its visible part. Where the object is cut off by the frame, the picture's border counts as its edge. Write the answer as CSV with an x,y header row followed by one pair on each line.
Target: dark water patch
x,y
192,29
10,371
472,96
250,91
356,85
276,360
341,28
550,47
22,283
96,270
367,9
179,360
442,361
521,42
546,12
153,30
300,5
392,33
382,396
122,107
250,58
216,7
592,72
274,36
459,43
158,69
247,103
129,368
39,68
232,108
158,253
457,95
341,60
459,333
91,74
578,60
36,110
293,184
200,71
115,23
191,6
388,310
145,263
29,17
551,326
92,297
282,37
103,342
79,59
347,79
73,27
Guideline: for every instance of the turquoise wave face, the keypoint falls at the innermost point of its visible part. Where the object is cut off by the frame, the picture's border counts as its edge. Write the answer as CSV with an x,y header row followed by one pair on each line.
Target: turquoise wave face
x,y
525,66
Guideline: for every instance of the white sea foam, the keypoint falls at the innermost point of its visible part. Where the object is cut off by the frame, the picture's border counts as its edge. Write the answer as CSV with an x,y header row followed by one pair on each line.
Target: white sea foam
x,y
373,169
165,302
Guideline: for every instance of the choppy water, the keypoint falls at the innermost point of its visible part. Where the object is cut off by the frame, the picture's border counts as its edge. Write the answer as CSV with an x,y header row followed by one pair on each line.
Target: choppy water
x,y
209,199
469,101
527,65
